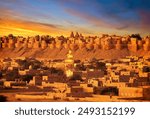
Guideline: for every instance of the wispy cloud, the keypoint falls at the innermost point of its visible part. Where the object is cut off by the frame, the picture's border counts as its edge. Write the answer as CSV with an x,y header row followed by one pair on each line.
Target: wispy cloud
x,y
88,18
102,22
11,21
144,19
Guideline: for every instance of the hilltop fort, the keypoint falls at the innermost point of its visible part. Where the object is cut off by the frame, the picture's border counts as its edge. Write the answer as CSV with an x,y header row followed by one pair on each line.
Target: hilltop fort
x,y
104,46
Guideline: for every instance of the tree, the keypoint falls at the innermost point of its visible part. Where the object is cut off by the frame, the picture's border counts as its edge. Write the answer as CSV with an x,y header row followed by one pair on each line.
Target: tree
x,y
56,71
10,35
146,69
24,64
97,65
100,65
12,75
1,75
3,98
76,77
27,78
136,36
80,67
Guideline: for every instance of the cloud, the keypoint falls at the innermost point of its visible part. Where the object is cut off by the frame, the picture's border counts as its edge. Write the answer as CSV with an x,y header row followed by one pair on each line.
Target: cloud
x,y
8,13
123,27
11,21
144,19
77,2
28,25
117,24
43,24
101,14
25,9
13,17
119,15
88,18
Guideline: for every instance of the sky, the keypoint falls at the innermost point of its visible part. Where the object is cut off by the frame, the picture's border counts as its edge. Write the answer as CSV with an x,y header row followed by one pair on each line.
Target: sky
x,y
60,17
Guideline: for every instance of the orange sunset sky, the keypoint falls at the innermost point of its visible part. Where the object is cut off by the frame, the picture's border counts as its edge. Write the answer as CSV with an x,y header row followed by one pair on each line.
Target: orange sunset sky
x,y
60,17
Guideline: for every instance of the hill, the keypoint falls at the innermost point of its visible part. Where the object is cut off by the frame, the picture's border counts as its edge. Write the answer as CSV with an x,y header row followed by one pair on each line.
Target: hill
x,y
56,53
